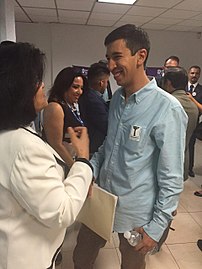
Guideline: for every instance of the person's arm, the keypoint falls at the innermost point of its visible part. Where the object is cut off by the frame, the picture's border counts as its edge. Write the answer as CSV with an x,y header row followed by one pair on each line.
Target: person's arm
x,y
53,122
195,102
38,187
97,160
169,135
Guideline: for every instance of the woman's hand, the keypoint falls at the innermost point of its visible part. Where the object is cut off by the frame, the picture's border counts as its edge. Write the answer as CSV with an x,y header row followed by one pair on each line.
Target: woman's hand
x,y
80,141
190,96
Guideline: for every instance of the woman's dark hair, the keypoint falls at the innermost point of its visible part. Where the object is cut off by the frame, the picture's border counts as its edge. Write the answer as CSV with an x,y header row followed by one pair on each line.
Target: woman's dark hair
x,y
21,73
63,82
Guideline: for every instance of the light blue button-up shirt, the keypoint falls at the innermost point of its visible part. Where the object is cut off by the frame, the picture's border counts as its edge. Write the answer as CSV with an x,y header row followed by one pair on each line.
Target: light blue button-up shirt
x,y
141,160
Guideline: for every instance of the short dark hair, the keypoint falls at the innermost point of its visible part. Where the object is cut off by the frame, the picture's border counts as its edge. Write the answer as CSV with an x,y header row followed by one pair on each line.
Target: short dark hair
x,y
196,67
135,37
21,73
173,58
63,82
96,71
177,76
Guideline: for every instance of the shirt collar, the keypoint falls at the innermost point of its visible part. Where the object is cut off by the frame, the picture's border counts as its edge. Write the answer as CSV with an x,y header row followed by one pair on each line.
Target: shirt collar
x,y
97,92
195,84
141,93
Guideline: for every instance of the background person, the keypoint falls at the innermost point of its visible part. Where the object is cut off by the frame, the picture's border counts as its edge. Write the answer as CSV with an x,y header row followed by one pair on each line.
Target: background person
x,y
175,82
141,160
107,95
195,89
171,61
63,111
37,202
199,130
95,107
199,105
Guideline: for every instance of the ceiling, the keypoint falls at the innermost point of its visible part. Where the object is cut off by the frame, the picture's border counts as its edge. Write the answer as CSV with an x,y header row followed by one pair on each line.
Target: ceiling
x,y
173,15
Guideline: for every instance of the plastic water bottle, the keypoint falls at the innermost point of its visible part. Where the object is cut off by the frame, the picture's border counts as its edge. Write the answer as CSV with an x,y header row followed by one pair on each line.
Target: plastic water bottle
x,y
153,251
133,237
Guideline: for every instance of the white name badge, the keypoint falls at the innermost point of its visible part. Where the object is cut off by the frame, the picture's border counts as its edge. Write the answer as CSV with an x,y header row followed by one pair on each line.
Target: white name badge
x,y
135,132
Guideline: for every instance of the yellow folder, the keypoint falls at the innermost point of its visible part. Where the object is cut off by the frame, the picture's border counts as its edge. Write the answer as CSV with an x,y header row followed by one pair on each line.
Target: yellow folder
x,y
98,212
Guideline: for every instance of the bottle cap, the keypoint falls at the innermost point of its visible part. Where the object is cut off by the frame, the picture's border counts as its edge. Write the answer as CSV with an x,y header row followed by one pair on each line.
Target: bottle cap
x,y
127,235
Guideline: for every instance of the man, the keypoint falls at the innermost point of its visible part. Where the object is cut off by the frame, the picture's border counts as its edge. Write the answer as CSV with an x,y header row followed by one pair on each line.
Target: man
x,y
107,95
195,89
171,61
175,82
95,108
141,160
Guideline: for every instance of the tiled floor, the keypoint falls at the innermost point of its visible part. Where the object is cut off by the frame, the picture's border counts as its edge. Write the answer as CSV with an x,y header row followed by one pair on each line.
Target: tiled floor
x,y
180,250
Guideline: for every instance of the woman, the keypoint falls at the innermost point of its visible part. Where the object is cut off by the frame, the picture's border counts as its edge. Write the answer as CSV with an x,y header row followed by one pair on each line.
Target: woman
x,y
37,202
62,111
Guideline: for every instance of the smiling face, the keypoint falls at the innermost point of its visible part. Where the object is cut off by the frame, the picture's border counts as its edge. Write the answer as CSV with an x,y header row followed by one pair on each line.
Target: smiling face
x,y
74,92
123,65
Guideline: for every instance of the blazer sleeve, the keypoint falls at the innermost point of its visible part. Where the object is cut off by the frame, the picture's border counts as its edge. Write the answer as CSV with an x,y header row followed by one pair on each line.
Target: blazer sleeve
x,y
38,187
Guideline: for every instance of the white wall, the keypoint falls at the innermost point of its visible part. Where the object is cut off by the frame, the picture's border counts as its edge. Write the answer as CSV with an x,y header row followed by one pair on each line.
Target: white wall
x,y
67,45
183,44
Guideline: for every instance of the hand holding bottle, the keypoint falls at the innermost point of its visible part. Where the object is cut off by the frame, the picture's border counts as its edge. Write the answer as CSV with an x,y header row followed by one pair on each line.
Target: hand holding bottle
x,y
141,241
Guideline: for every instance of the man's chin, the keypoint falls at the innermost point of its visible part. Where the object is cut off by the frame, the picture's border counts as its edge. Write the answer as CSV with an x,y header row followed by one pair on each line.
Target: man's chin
x,y
119,83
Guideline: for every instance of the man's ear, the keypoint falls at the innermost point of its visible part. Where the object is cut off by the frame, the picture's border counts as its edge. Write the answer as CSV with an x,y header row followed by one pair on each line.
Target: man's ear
x,y
167,86
141,56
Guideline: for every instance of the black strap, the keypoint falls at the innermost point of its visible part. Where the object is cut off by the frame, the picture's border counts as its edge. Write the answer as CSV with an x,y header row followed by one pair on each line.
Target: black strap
x,y
54,257
84,160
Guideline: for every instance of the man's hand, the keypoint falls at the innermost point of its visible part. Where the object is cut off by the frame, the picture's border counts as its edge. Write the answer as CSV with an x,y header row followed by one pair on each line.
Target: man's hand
x,y
146,244
80,141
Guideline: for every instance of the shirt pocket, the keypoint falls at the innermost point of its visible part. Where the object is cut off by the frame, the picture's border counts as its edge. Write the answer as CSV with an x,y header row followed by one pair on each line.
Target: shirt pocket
x,y
135,138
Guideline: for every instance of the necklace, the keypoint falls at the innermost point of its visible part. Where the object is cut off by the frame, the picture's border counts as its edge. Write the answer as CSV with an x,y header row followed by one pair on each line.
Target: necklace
x,y
76,113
